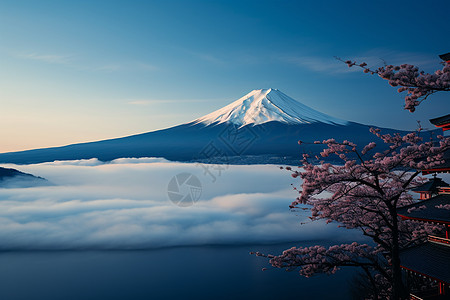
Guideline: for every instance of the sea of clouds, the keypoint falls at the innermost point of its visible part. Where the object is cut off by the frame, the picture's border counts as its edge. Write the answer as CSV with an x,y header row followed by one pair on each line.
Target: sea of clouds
x,y
124,204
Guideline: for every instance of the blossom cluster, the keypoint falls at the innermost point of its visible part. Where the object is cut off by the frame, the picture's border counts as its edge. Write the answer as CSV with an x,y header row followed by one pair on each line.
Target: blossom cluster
x,y
418,84
364,192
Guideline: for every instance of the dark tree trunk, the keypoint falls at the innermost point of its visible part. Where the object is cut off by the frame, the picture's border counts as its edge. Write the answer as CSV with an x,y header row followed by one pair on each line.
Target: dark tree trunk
x,y
398,288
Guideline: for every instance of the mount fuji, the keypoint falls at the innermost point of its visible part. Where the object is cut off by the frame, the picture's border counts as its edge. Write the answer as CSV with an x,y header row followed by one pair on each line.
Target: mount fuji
x,y
268,105
264,126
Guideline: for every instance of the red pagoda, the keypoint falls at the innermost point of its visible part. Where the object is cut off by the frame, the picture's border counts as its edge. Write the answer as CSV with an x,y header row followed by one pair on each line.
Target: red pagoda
x,y
431,188
430,261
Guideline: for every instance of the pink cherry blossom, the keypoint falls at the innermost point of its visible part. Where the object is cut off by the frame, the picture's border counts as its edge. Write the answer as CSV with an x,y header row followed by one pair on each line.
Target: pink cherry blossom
x,y
366,190
417,84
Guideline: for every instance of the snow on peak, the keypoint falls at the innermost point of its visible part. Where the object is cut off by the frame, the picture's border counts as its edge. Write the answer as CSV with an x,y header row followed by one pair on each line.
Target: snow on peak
x,y
266,105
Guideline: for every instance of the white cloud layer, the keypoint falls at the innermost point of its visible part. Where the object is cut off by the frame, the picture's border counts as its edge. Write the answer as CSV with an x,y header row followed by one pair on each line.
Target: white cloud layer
x,y
145,102
124,205
48,58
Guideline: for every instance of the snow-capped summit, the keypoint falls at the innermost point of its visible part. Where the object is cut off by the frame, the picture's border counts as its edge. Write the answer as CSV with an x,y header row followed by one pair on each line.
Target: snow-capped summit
x,y
266,105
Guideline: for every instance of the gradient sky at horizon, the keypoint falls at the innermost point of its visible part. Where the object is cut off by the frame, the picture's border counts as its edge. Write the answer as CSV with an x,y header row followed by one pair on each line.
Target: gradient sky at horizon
x,y
76,71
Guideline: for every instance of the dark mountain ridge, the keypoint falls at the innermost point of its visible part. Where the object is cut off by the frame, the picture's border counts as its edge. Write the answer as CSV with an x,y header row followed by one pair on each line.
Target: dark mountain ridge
x,y
12,178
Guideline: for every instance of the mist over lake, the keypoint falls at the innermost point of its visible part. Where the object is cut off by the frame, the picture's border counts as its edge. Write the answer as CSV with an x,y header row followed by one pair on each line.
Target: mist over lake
x,y
110,231
125,204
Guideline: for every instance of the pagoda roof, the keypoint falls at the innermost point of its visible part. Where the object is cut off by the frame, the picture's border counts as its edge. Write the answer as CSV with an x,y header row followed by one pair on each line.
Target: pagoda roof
x,y
441,120
431,185
430,259
445,57
427,211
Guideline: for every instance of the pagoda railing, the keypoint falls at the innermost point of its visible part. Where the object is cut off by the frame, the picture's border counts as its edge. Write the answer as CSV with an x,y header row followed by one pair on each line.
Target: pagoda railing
x,y
426,295
444,190
414,297
440,240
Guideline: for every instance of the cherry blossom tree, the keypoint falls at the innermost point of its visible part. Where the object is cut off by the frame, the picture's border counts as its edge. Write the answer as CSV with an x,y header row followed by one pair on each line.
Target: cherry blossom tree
x,y
365,191
409,78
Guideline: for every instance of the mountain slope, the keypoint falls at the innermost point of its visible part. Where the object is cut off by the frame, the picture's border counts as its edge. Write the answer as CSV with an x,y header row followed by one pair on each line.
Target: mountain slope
x,y
262,127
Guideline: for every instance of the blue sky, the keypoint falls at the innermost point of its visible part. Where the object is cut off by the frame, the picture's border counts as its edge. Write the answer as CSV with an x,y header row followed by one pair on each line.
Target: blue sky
x,y
74,71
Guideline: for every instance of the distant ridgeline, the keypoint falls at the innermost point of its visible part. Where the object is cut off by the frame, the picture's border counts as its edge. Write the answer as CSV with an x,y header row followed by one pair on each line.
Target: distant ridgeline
x,y
11,178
